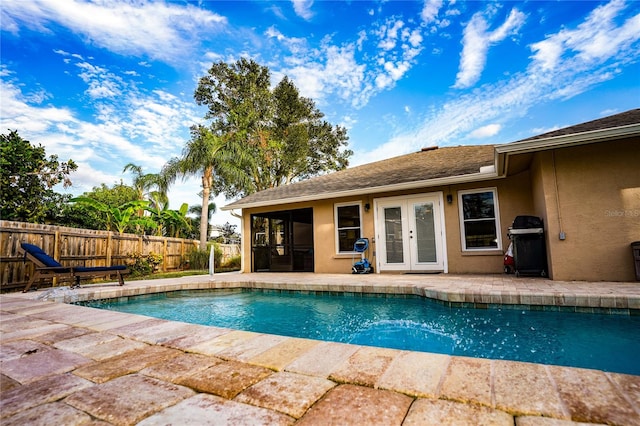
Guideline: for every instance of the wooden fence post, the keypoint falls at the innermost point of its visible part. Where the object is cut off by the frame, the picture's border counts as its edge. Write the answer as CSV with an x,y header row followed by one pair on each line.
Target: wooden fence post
x,y
182,254
164,256
56,252
109,250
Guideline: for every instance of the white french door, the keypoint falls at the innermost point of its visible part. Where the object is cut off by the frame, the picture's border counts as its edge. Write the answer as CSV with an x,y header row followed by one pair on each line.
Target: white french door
x,y
410,233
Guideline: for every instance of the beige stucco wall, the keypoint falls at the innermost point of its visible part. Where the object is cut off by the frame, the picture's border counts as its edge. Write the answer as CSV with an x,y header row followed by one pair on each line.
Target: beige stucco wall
x,y
541,184
599,199
597,206
325,258
514,198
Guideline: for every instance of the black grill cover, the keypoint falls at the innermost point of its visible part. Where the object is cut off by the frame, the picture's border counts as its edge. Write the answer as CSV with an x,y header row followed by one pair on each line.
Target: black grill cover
x,y
526,222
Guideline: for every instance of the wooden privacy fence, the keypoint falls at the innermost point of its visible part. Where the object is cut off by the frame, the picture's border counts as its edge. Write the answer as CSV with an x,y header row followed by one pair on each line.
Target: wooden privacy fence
x,y
81,247
229,251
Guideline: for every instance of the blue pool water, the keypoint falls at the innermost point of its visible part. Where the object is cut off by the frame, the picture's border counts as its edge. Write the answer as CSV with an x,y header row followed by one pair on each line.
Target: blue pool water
x,y
604,342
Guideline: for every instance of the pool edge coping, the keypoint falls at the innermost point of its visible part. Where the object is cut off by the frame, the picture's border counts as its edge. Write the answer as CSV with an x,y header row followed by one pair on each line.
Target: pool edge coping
x,y
133,290
481,299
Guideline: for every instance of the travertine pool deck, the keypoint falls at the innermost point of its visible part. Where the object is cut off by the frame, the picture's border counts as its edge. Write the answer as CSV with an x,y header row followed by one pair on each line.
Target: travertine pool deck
x,y
72,365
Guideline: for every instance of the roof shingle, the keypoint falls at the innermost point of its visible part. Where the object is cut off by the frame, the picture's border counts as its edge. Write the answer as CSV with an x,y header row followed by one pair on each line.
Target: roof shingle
x,y
415,167
618,120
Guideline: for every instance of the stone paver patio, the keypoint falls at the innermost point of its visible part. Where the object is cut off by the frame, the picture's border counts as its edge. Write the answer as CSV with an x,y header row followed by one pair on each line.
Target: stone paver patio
x,y
73,365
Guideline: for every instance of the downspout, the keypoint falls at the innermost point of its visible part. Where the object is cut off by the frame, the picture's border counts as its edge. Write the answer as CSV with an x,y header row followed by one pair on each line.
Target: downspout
x,y
562,234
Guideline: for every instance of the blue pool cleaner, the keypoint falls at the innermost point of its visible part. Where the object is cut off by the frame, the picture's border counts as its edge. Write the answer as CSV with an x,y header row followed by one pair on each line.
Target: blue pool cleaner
x,y
362,266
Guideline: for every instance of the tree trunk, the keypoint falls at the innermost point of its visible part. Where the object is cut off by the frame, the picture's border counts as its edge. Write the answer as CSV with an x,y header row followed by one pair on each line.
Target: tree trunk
x,y
204,215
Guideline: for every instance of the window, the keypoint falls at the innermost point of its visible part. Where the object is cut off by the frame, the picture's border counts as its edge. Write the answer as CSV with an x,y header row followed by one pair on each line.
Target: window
x,y
479,222
348,226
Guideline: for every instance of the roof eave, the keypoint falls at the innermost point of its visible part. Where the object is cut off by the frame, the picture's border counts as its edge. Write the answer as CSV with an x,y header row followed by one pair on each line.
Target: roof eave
x,y
448,180
502,152
569,140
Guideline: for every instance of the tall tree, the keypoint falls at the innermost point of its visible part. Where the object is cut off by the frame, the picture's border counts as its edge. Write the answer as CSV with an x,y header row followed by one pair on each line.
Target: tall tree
x,y
270,137
200,157
145,182
27,178
307,144
197,210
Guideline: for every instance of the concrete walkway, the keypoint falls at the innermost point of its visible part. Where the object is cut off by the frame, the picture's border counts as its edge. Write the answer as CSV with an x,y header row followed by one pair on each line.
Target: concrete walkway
x,y
73,365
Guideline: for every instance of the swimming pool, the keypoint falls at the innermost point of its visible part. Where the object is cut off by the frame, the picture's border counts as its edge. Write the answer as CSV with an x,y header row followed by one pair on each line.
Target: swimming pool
x,y
603,342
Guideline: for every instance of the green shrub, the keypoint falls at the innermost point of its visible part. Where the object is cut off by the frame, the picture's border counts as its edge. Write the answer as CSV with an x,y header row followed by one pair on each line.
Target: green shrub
x,y
233,263
143,264
199,259
217,254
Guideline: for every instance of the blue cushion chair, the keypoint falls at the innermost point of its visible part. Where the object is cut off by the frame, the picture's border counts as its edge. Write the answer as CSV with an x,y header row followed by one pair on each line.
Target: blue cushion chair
x,y
47,267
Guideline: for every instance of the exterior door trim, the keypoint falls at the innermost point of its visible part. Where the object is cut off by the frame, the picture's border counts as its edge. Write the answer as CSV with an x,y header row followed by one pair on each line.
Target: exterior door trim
x,y
379,228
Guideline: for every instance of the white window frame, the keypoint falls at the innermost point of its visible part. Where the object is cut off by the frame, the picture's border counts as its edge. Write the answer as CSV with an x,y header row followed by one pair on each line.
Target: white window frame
x,y
335,222
496,219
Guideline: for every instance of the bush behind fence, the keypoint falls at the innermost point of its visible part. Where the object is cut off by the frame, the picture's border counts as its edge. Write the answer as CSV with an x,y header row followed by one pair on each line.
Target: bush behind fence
x,y
85,247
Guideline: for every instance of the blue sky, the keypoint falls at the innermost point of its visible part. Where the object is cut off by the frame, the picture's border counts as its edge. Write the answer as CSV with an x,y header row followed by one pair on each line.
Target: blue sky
x,y
108,83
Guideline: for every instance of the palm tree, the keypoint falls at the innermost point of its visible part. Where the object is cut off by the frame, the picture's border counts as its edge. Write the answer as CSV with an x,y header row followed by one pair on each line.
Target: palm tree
x,y
168,222
143,183
197,210
201,156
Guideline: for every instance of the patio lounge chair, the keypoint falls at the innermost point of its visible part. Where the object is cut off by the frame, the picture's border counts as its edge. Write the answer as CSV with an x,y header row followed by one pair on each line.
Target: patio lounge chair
x,y
46,266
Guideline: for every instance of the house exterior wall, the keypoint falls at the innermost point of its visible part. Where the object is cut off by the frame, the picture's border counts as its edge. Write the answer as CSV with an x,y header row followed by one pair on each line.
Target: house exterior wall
x,y
588,196
514,198
596,205
543,197
590,192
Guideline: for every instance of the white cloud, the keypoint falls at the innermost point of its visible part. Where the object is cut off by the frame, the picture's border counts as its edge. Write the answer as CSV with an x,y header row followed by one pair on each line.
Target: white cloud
x,y
17,114
474,114
294,44
348,70
596,39
165,31
486,131
348,122
303,8
335,71
388,34
414,38
272,32
102,84
147,128
430,10
277,11
476,42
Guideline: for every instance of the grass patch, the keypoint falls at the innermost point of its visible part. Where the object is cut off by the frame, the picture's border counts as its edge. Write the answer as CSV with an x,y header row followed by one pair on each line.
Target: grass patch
x,y
175,274
178,274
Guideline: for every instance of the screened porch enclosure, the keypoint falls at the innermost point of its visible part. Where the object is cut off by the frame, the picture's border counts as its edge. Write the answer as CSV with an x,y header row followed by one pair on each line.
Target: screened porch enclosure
x,y
282,241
